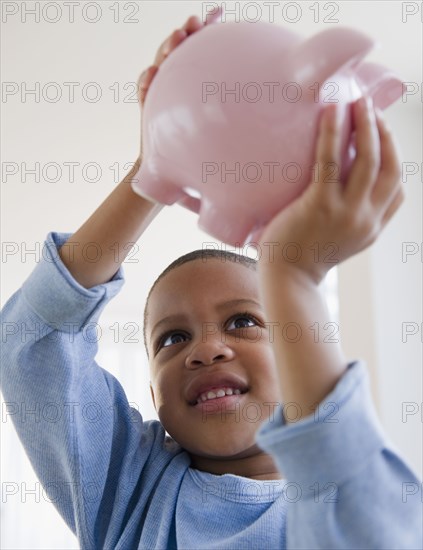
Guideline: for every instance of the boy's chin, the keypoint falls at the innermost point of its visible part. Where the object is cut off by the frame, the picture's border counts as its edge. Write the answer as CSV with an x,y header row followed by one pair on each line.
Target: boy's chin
x,y
228,441
234,451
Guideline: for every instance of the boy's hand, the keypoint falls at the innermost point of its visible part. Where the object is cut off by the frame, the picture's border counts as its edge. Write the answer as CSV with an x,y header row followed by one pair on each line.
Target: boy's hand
x,y
192,24
333,220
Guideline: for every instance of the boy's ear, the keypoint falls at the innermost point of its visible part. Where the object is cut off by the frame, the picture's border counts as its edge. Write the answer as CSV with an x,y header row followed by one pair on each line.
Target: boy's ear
x,y
152,396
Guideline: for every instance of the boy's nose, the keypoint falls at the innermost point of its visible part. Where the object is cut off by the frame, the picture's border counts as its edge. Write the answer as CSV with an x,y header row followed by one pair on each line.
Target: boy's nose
x,y
207,353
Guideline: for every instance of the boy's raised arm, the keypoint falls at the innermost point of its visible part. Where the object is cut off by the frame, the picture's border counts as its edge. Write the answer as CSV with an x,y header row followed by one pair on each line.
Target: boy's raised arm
x,y
331,219
353,487
121,219
114,227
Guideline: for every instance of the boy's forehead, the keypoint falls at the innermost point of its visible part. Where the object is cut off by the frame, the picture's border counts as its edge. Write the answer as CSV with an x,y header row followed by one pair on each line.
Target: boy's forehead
x,y
209,271
212,280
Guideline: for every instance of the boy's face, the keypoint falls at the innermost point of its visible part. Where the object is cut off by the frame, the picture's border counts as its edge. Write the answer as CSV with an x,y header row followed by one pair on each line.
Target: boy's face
x,y
206,333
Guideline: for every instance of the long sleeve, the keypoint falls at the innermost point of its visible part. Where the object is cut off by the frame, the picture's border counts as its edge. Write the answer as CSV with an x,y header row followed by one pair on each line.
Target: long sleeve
x,y
81,436
349,485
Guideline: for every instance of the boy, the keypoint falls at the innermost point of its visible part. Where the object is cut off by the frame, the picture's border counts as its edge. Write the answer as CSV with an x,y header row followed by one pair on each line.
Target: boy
x,y
325,477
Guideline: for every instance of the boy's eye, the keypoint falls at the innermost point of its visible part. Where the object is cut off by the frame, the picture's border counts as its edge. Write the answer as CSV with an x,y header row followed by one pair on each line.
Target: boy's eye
x,y
239,321
172,338
242,321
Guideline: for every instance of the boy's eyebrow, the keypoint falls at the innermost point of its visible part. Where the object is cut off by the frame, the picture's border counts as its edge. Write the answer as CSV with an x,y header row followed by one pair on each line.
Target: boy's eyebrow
x,y
223,305
238,302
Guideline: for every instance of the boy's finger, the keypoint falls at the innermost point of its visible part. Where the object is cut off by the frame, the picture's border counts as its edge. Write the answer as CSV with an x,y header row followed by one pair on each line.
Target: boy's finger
x,y
193,24
366,164
327,148
144,82
169,44
389,179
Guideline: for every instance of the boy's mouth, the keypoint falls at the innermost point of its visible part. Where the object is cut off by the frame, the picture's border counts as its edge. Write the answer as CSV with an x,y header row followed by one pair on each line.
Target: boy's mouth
x,y
214,386
217,393
222,403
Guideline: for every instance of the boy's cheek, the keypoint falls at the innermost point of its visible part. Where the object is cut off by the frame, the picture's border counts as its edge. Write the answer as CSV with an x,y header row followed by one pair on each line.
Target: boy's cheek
x,y
157,393
153,396
168,397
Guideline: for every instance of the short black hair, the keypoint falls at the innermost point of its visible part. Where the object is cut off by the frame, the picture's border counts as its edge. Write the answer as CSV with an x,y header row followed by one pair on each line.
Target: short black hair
x,y
200,254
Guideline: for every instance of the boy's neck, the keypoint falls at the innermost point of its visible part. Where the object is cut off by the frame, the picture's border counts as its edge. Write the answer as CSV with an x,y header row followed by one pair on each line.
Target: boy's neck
x,y
258,466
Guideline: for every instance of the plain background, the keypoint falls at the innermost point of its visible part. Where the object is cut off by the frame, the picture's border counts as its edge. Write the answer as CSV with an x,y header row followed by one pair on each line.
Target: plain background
x,y
378,291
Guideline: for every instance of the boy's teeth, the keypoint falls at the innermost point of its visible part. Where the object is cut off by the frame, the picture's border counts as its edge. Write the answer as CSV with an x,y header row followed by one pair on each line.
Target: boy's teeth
x,y
221,392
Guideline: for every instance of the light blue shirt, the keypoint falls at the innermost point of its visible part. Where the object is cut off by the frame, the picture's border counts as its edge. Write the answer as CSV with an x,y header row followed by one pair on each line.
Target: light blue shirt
x,y
120,483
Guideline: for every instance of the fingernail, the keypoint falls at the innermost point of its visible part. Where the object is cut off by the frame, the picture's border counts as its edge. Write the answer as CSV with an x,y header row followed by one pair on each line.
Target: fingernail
x,y
369,103
366,103
381,117
380,114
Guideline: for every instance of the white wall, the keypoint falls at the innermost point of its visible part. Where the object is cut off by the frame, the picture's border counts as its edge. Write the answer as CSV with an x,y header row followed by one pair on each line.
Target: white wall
x,y
378,292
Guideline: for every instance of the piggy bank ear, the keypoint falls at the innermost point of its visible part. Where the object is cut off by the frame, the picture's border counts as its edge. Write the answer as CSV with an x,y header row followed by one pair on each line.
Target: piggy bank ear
x,y
325,53
380,83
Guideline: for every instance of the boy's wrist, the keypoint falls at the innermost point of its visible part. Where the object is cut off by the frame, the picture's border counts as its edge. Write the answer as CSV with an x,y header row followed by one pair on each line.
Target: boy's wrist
x,y
301,266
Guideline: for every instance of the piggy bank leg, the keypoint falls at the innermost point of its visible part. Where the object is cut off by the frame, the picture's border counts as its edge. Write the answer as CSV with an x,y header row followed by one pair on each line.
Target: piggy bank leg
x,y
191,203
153,185
228,225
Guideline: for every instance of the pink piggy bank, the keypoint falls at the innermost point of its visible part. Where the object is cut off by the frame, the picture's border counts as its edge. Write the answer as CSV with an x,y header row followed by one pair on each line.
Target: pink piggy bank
x,y
231,118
